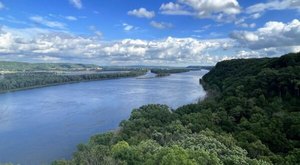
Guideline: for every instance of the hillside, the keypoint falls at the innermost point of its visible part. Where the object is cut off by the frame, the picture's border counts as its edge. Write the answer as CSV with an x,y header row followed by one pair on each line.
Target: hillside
x,y
23,66
251,116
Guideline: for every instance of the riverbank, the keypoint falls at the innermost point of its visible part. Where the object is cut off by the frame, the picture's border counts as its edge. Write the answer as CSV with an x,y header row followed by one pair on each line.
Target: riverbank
x,y
57,84
51,79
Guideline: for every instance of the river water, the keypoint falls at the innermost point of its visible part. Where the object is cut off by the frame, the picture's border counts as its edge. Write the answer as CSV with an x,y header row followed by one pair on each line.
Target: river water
x,y
41,125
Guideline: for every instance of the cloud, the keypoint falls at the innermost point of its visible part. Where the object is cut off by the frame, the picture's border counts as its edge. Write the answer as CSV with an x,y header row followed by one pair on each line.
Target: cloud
x,y
96,12
213,9
38,44
274,5
142,13
98,33
266,52
173,9
1,5
76,3
68,17
161,25
44,42
241,22
12,19
127,27
255,16
245,25
169,50
202,29
249,54
51,45
71,18
272,34
43,21
48,58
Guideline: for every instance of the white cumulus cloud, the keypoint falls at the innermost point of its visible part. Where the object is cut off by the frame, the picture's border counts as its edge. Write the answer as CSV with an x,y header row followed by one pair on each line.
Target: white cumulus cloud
x,y
215,9
54,45
272,34
174,9
274,5
142,13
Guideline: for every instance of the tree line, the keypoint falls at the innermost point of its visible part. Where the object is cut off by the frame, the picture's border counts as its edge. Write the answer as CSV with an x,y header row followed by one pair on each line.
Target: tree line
x,y
23,80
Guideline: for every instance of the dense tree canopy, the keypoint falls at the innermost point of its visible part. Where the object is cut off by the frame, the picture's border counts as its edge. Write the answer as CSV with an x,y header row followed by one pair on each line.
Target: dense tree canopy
x,y
169,71
24,80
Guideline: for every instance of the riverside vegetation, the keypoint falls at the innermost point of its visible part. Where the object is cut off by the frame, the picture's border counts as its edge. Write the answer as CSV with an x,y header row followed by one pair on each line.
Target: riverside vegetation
x,y
18,75
251,116
19,81
168,72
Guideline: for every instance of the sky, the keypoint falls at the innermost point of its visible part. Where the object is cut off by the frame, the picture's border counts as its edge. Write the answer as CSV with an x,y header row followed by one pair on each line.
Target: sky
x,y
147,32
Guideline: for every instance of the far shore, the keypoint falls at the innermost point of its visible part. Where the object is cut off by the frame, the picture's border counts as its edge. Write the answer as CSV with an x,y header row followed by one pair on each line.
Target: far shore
x,y
57,84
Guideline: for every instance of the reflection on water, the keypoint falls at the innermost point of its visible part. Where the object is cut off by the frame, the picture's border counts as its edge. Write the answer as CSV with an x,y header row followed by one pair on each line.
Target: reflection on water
x,y
41,125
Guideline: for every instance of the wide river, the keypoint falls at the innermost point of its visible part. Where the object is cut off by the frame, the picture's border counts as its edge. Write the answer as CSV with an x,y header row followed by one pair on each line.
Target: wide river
x,y
41,125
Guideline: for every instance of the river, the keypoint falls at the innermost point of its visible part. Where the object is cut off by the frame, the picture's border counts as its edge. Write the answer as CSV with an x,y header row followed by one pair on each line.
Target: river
x,y
41,125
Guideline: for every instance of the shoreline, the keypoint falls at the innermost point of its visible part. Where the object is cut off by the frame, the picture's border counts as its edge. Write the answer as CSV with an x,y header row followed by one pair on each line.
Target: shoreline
x,y
64,83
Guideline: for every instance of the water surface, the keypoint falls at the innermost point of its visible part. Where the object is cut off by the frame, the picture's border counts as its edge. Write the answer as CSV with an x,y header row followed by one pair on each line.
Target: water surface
x,y
41,125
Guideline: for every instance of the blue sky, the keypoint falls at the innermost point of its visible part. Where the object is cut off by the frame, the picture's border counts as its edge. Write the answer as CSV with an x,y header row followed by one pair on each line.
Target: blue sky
x,y
160,32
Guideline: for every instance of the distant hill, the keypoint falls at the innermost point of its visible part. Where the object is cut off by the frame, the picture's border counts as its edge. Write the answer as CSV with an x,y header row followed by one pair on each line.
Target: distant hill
x,y
141,67
23,66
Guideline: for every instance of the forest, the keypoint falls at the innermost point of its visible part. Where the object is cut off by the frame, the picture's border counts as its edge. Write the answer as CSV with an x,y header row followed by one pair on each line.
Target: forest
x,y
23,66
25,80
169,70
251,116
199,67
